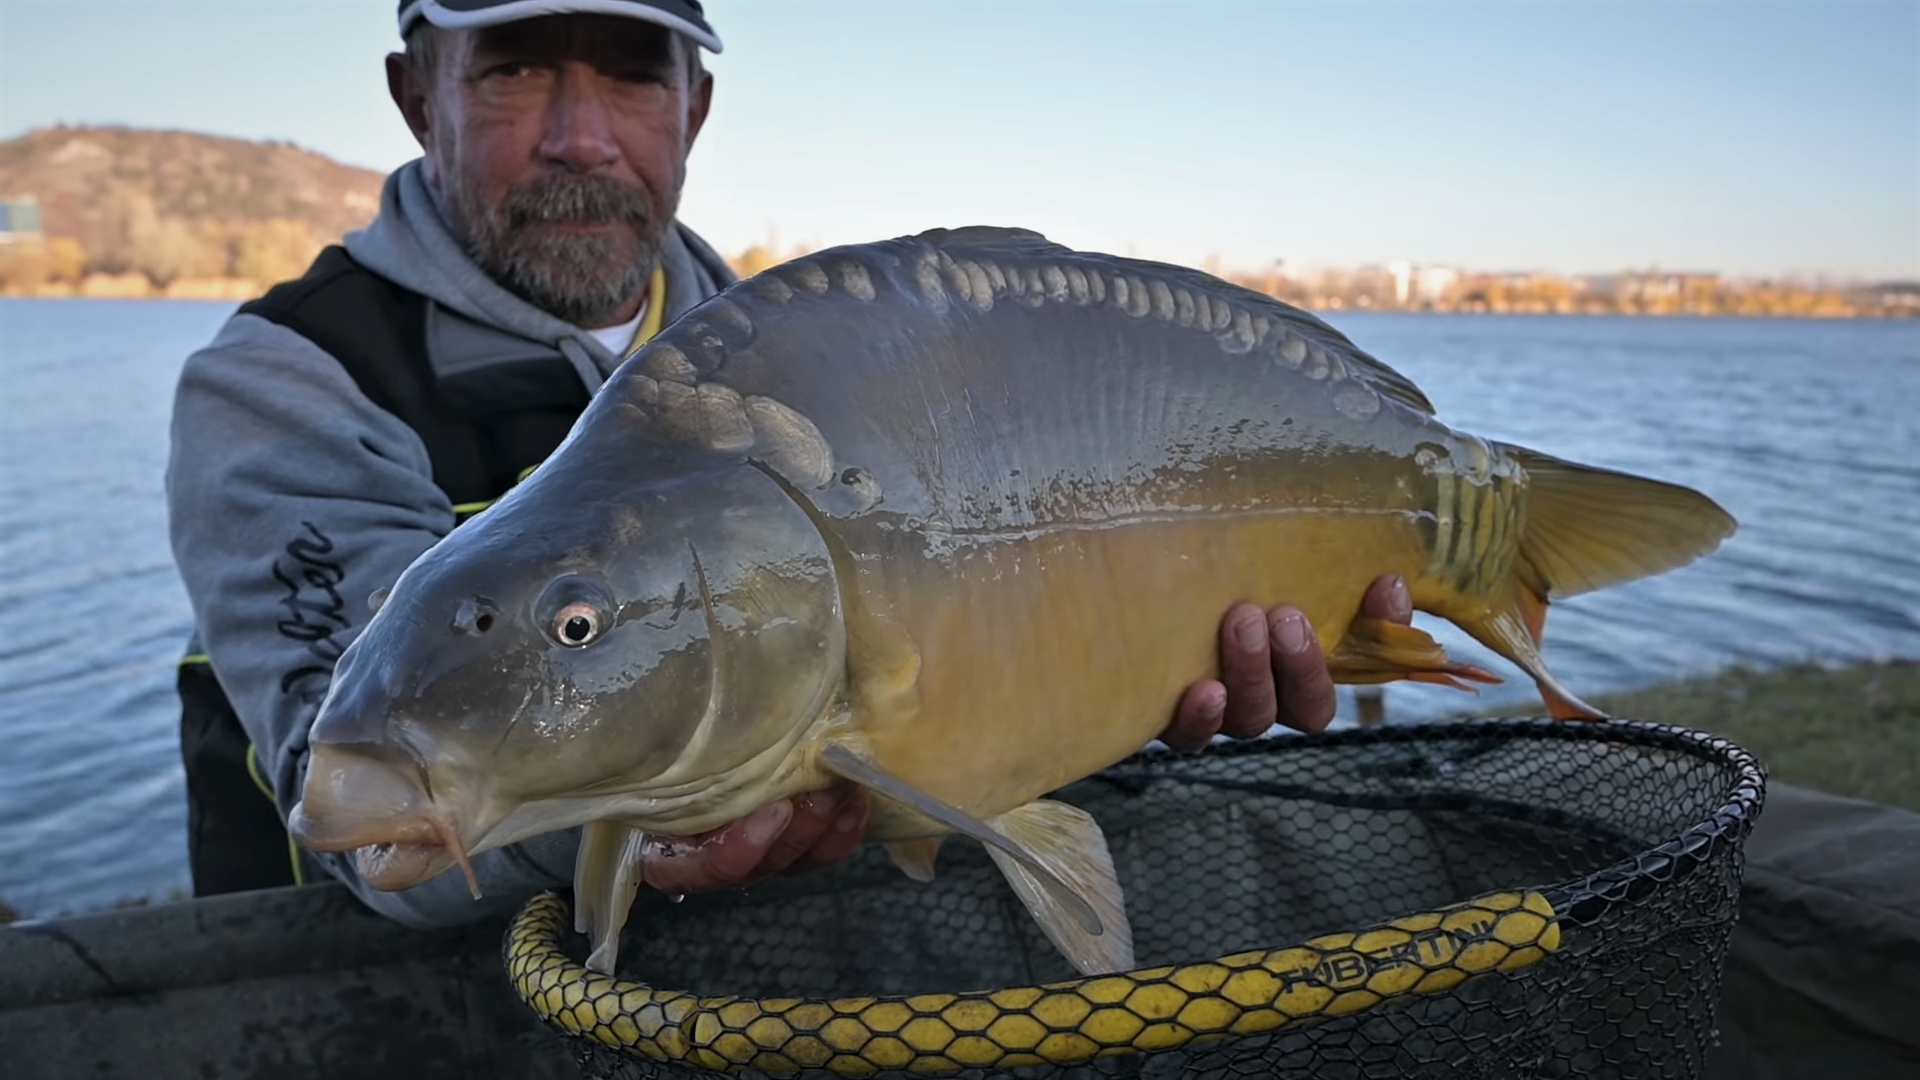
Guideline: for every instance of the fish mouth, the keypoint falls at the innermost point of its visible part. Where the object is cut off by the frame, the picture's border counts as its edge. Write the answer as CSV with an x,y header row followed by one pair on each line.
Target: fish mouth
x,y
392,855
389,854
384,814
401,864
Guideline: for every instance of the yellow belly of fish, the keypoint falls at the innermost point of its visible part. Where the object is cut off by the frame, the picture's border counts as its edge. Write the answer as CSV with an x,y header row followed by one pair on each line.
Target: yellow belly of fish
x,y
1044,661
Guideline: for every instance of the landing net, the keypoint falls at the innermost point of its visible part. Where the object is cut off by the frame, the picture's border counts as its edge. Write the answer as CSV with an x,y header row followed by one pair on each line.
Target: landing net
x,y
1507,898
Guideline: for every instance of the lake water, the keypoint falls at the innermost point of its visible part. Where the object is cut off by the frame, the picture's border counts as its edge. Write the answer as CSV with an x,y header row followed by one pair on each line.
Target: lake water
x,y
1807,431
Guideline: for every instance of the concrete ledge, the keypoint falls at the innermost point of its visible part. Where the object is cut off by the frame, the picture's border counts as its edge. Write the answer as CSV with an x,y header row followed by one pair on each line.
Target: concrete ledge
x,y
1823,972
288,983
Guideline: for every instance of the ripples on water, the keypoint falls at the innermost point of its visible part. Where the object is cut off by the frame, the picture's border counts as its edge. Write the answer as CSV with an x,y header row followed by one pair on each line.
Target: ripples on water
x,y
1806,431
92,616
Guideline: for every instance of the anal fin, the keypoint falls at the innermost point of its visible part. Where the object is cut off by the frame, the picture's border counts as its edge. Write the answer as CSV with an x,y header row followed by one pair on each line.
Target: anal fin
x,y
915,857
1380,650
606,875
845,761
1069,843
1514,634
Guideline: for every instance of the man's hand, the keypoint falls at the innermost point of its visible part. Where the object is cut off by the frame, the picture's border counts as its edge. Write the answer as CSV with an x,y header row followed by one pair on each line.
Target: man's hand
x,y
1272,671
785,836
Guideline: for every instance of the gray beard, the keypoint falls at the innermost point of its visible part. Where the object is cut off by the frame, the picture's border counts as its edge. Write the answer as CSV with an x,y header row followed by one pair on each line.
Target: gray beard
x,y
582,280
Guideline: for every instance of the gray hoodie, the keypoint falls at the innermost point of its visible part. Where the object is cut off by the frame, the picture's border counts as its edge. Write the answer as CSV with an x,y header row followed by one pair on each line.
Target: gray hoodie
x,y
292,497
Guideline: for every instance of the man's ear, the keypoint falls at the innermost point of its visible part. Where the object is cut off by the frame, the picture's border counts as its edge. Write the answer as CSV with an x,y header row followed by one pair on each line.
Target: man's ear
x,y
699,100
409,96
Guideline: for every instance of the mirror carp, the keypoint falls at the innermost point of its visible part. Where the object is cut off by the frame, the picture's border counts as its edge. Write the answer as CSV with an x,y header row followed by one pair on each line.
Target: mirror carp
x,y
954,516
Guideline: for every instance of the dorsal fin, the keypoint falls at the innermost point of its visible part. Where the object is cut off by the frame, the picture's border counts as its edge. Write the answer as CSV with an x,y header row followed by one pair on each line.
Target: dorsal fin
x,y
1016,246
1001,239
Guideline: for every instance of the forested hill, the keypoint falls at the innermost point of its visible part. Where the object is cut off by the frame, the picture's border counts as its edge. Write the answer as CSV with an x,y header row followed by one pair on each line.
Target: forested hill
x,y
176,205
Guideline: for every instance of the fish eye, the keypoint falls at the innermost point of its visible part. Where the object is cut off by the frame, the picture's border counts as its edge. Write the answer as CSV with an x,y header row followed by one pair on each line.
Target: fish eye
x,y
575,611
577,624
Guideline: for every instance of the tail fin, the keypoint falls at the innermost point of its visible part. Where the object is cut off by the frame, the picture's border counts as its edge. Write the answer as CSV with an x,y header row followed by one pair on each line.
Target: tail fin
x,y
1589,528
1586,529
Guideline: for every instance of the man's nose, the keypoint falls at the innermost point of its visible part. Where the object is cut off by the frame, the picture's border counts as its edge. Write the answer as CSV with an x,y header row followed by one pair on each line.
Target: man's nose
x,y
579,121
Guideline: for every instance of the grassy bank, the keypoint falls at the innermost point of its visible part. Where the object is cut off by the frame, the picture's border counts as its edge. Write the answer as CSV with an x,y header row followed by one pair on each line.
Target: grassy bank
x,y
1851,730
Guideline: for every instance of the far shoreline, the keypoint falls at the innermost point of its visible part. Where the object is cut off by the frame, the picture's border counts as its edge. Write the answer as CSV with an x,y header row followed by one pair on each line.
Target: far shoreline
x,y
240,297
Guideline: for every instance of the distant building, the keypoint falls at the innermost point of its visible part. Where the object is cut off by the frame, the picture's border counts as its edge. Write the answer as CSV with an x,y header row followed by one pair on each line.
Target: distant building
x,y
1432,282
1897,297
1656,283
20,220
1416,285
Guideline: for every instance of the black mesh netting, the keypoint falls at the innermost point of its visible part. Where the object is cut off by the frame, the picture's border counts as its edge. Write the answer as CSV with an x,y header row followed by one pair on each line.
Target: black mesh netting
x,y
1477,899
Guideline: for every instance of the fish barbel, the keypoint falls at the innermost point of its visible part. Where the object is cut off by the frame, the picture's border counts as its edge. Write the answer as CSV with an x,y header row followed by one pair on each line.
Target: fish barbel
x,y
954,516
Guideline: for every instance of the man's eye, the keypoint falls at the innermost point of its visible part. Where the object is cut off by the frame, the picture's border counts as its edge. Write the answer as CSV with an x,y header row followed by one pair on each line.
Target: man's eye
x,y
510,72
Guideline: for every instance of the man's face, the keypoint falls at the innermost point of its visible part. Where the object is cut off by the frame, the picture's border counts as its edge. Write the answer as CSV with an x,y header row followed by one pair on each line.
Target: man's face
x,y
560,145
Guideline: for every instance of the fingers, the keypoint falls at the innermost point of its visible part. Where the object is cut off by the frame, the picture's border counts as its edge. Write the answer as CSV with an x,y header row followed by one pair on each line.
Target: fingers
x,y
842,826
1197,720
1387,598
1307,696
1305,687
1273,670
724,858
788,835
1254,681
812,818
1247,672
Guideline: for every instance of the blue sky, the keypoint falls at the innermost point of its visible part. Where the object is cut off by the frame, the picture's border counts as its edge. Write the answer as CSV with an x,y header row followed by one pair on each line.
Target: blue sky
x,y
1744,136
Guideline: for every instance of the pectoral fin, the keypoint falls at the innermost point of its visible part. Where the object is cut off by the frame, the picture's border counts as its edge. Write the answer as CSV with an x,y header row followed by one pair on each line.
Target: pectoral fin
x,y
1378,651
850,763
915,857
606,875
1070,844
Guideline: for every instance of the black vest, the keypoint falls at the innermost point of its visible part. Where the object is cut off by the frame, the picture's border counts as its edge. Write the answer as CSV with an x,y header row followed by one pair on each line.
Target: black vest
x,y
497,410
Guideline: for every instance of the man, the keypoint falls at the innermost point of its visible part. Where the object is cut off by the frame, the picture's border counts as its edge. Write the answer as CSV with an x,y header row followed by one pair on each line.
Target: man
x,y
341,425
